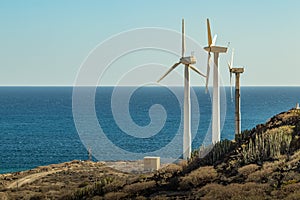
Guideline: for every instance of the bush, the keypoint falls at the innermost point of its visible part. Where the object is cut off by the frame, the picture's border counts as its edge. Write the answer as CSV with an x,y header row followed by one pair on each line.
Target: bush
x,y
3,196
293,196
294,159
248,169
164,175
113,186
83,184
260,176
198,177
211,191
90,190
291,177
234,191
115,195
139,188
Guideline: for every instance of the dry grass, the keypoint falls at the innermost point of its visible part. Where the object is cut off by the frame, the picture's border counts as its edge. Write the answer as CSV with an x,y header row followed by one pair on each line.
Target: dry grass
x,y
137,188
260,176
115,195
287,192
233,191
248,169
164,175
3,196
198,177
173,168
293,196
291,177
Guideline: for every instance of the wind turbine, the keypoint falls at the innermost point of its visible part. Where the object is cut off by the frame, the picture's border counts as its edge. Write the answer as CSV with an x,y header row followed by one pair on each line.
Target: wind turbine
x,y
216,134
188,62
237,72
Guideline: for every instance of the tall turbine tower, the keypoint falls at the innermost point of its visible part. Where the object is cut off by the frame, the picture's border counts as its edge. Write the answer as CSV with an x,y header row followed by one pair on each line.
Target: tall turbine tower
x,y
237,72
187,62
216,132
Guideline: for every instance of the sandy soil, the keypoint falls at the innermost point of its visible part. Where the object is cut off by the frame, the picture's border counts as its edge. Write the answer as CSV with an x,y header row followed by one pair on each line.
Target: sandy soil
x,y
29,179
53,181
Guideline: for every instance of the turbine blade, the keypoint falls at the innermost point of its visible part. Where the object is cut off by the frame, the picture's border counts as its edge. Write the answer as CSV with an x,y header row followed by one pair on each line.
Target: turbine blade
x,y
232,54
229,65
183,39
208,33
207,72
172,68
196,70
214,40
231,86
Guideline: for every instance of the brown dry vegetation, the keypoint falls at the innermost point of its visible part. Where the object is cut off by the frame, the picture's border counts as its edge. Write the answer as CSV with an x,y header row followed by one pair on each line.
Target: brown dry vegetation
x,y
198,177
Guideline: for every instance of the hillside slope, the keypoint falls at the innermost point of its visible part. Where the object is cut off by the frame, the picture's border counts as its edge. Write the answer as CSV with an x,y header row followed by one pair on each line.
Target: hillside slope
x,y
262,163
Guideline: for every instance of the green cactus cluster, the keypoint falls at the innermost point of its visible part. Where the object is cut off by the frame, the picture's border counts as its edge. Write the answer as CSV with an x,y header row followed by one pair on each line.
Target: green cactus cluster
x,y
219,150
252,146
268,145
210,154
243,136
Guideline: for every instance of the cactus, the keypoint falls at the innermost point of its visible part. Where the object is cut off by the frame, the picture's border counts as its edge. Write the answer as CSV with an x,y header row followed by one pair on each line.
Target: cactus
x,y
91,190
209,155
270,144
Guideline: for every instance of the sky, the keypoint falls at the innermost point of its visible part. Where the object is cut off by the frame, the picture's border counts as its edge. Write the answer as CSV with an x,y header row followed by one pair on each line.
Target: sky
x,y
46,42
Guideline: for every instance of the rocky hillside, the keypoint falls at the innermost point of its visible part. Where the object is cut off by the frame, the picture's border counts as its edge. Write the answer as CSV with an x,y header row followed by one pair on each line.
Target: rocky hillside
x,y
262,163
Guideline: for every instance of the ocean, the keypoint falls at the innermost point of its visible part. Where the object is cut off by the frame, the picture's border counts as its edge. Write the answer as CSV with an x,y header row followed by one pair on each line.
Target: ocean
x,y
37,123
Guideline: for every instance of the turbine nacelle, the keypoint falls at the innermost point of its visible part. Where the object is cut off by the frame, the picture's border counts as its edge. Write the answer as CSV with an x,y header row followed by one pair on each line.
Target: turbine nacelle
x,y
216,49
188,60
236,70
211,48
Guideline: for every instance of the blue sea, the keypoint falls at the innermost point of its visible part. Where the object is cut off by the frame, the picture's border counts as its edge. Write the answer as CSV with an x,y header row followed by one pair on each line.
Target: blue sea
x,y
37,123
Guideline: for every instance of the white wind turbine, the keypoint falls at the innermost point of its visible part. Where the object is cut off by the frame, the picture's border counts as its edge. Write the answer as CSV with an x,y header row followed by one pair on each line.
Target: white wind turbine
x,y
188,62
216,134
230,64
237,72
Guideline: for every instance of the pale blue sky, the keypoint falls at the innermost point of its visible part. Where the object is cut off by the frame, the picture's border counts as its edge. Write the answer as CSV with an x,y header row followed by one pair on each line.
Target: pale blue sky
x,y
45,42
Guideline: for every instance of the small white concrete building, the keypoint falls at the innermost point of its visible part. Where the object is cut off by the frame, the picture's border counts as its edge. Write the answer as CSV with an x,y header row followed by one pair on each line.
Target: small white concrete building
x,y
151,163
297,106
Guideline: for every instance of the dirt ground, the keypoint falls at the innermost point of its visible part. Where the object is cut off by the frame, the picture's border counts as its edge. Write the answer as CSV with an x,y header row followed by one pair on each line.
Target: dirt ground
x,y
57,179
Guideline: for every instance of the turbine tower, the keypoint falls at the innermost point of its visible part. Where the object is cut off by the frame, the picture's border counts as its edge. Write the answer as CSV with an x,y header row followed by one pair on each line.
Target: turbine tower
x,y
237,72
188,62
216,132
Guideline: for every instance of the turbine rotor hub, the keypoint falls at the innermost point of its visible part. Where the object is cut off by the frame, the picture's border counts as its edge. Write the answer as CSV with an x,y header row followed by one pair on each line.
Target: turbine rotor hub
x,y
189,60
